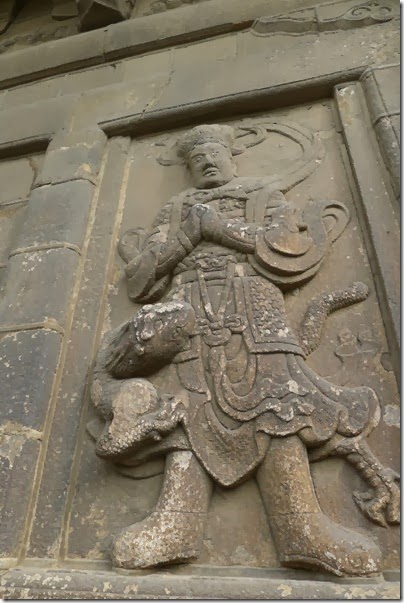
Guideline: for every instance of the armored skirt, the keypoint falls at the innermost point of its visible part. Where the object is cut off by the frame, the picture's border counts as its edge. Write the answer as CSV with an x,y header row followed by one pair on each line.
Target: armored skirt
x,y
246,376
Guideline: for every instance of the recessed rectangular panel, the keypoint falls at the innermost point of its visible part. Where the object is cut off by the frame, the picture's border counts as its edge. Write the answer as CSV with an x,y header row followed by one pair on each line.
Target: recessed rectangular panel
x,y
286,361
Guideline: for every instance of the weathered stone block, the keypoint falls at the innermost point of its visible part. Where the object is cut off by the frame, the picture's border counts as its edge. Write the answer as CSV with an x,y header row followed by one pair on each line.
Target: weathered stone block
x,y
49,57
381,88
113,102
87,136
191,23
390,148
57,214
38,286
388,81
147,67
69,164
130,34
22,355
73,156
25,95
37,122
11,218
395,122
192,72
97,77
16,178
18,457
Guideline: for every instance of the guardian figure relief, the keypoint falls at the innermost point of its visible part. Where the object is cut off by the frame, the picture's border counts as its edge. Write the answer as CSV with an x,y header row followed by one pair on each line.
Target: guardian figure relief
x,y
239,401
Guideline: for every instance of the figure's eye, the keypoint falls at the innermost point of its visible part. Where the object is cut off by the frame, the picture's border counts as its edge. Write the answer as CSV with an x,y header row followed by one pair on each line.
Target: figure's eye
x,y
198,158
215,153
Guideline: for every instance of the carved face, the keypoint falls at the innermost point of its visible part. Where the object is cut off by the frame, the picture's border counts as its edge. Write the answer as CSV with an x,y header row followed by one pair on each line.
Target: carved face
x,y
167,333
211,165
151,339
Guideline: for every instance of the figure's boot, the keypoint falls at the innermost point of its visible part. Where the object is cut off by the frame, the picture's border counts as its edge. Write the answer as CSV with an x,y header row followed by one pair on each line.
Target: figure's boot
x,y
303,535
173,532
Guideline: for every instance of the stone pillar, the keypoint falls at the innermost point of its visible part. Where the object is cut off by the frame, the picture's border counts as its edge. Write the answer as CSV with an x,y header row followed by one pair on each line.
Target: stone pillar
x,y
42,275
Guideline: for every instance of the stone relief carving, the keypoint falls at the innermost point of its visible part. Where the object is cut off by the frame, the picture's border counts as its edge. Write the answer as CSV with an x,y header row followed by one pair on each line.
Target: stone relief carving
x,y
353,352
210,375
9,11
328,17
370,12
100,13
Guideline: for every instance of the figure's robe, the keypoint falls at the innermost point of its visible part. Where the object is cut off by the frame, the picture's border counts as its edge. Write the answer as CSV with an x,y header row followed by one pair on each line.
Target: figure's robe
x,y
245,375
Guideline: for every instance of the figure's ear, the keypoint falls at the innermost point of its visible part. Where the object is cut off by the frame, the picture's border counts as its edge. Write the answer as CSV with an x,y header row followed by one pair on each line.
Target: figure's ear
x,y
335,217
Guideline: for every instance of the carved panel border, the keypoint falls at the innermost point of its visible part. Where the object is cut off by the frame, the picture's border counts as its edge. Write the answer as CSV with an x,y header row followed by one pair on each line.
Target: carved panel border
x,y
380,225
258,584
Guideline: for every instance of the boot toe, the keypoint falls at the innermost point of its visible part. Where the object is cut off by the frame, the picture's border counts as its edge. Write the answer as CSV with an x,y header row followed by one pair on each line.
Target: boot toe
x,y
314,541
161,539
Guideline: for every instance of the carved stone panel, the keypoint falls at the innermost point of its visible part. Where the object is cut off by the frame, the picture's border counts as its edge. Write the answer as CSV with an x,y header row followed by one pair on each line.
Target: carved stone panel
x,y
241,403
333,16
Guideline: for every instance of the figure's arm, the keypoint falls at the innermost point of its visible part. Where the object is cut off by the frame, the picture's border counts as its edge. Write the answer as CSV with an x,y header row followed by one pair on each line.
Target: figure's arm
x,y
150,271
235,235
240,235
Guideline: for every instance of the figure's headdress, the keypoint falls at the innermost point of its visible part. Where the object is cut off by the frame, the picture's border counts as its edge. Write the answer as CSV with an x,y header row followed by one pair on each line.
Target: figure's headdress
x,y
224,135
247,135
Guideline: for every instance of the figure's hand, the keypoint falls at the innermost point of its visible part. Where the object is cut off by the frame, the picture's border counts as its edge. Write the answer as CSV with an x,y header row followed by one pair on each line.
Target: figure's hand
x,y
199,210
211,225
192,225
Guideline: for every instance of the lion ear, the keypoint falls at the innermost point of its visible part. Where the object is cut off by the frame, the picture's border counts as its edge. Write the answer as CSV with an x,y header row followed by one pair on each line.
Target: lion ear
x,y
335,216
139,349
147,331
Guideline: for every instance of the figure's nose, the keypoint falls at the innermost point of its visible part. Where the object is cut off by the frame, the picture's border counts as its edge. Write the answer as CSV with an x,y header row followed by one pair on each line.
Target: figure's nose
x,y
209,161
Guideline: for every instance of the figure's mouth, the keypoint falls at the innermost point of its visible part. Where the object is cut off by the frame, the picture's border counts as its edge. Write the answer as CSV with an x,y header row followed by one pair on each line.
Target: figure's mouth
x,y
210,171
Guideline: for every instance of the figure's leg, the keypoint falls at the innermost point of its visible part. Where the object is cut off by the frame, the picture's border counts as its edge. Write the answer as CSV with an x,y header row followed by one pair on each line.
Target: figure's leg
x,y
173,532
303,535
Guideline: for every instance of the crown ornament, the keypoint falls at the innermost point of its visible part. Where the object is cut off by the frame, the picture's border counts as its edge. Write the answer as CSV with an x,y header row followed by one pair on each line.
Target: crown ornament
x,y
224,135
